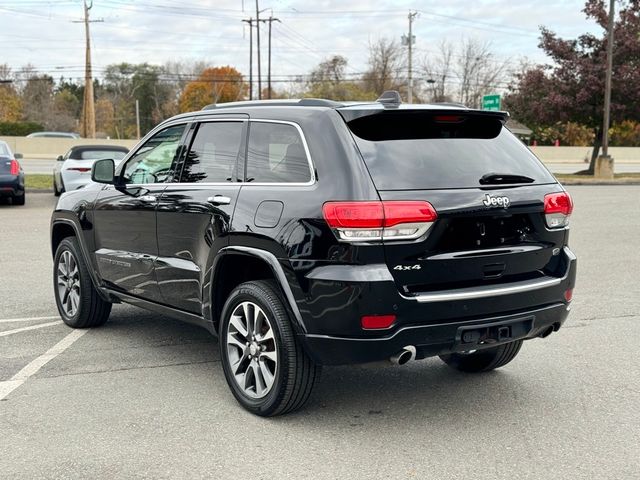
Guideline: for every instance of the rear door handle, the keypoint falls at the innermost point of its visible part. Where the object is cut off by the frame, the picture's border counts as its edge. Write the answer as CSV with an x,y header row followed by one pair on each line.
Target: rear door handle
x,y
147,198
219,200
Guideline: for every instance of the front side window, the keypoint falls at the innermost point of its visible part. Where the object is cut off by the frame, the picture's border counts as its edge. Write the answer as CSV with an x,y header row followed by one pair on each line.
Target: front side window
x,y
152,163
276,154
214,153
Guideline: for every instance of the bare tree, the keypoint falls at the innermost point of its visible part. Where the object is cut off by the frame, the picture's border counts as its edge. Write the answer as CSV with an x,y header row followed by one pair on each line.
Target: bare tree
x,y
478,71
386,67
438,70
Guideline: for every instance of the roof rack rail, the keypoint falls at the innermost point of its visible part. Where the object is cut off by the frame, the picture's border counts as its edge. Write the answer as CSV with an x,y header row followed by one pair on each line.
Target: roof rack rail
x,y
304,102
390,98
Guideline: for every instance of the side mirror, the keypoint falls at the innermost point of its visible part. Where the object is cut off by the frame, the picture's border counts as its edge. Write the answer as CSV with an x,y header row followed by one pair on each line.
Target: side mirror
x,y
60,158
103,171
18,156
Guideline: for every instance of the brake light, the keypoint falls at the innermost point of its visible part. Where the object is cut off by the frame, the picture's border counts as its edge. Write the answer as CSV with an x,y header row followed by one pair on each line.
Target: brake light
x,y
14,168
79,169
557,209
372,221
448,118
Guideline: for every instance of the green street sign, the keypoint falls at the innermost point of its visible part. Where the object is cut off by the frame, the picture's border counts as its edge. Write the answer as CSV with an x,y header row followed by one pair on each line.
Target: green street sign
x,y
491,102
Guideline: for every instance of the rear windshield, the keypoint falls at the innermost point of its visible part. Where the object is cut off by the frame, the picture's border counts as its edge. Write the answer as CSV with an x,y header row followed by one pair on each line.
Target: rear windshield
x,y
4,150
413,151
98,154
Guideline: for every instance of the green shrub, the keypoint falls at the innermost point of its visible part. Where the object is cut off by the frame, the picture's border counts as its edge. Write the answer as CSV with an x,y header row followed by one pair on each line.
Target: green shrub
x,y
19,129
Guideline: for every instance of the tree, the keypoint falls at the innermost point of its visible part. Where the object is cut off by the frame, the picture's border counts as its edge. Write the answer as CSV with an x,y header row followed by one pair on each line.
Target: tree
x,y
571,88
386,66
478,71
10,102
214,85
439,71
328,80
37,100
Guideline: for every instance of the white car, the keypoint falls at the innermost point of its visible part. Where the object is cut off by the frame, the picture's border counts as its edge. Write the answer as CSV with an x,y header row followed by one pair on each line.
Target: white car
x,y
73,170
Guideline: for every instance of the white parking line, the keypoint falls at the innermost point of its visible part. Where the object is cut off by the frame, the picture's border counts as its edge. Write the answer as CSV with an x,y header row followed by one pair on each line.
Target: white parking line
x,y
32,368
27,319
31,327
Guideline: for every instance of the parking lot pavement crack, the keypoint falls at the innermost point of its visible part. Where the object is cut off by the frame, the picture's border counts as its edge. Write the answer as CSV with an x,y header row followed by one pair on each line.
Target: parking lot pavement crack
x,y
608,317
124,369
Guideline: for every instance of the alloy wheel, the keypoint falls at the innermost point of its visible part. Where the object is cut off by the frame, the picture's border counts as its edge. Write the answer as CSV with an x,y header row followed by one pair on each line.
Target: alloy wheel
x,y
68,283
252,350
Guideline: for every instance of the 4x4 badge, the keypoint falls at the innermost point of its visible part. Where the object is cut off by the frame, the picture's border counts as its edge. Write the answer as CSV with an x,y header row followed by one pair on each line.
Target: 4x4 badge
x,y
491,201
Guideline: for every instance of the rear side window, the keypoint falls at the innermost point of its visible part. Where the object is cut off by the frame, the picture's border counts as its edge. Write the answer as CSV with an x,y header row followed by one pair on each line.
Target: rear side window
x,y
276,154
417,150
214,153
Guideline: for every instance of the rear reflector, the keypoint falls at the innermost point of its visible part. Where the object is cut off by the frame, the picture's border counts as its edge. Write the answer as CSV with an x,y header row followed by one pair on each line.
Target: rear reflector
x,y
377,322
14,169
568,295
79,169
557,209
367,221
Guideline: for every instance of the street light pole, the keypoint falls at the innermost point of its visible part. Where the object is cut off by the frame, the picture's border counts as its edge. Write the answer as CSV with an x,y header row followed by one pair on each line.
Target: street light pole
x,y
607,88
604,163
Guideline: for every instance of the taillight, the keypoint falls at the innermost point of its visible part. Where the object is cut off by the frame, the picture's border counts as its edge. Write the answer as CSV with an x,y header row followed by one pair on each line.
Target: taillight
x,y
557,209
372,221
14,169
80,169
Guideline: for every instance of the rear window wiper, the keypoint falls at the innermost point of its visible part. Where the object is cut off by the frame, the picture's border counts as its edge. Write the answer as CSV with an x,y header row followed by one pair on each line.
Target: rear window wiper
x,y
500,178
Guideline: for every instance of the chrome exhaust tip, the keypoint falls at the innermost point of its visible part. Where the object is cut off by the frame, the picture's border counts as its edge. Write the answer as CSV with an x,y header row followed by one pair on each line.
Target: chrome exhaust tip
x,y
405,355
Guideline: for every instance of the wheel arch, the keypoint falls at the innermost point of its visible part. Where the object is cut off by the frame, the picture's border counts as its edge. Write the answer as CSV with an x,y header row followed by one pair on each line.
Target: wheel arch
x,y
236,265
62,228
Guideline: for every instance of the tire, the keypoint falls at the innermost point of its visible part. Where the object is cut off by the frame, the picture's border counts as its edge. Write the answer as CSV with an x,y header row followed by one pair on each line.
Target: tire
x,y
56,192
483,360
283,360
19,199
90,309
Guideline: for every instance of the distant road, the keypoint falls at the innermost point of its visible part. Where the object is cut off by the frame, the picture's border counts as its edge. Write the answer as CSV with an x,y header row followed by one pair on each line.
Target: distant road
x,y
38,165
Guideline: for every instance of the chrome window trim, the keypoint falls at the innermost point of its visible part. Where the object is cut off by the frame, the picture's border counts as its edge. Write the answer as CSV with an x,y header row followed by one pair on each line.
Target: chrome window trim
x,y
218,184
307,152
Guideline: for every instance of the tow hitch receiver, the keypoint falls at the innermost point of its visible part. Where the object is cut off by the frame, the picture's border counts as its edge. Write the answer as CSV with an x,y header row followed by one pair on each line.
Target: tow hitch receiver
x,y
473,336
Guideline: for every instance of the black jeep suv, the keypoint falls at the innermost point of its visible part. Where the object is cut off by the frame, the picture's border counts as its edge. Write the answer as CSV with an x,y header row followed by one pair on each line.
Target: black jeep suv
x,y
313,232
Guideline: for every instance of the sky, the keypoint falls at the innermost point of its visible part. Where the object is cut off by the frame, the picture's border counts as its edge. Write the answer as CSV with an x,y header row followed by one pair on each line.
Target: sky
x,y
43,33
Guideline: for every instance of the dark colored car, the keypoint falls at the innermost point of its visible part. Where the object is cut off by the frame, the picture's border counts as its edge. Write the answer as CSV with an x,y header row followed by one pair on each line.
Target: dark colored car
x,y
313,232
11,176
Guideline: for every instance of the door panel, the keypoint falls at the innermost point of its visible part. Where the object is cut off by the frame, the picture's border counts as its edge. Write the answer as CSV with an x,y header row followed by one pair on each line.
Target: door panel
x,y
125,235
194,215
189,228
125,217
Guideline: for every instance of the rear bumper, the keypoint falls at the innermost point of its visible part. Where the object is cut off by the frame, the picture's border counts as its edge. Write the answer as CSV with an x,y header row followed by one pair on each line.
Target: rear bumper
x,y
431,340
12,186
432,323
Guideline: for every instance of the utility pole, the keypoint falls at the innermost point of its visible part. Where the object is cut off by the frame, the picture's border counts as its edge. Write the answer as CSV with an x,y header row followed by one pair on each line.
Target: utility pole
x,y
88,106
604,163
270,20
250,22
409,41
258,49
137,119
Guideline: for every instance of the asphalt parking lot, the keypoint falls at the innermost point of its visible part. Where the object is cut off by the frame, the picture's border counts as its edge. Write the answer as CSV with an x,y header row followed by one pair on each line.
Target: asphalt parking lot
x,y
145,397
